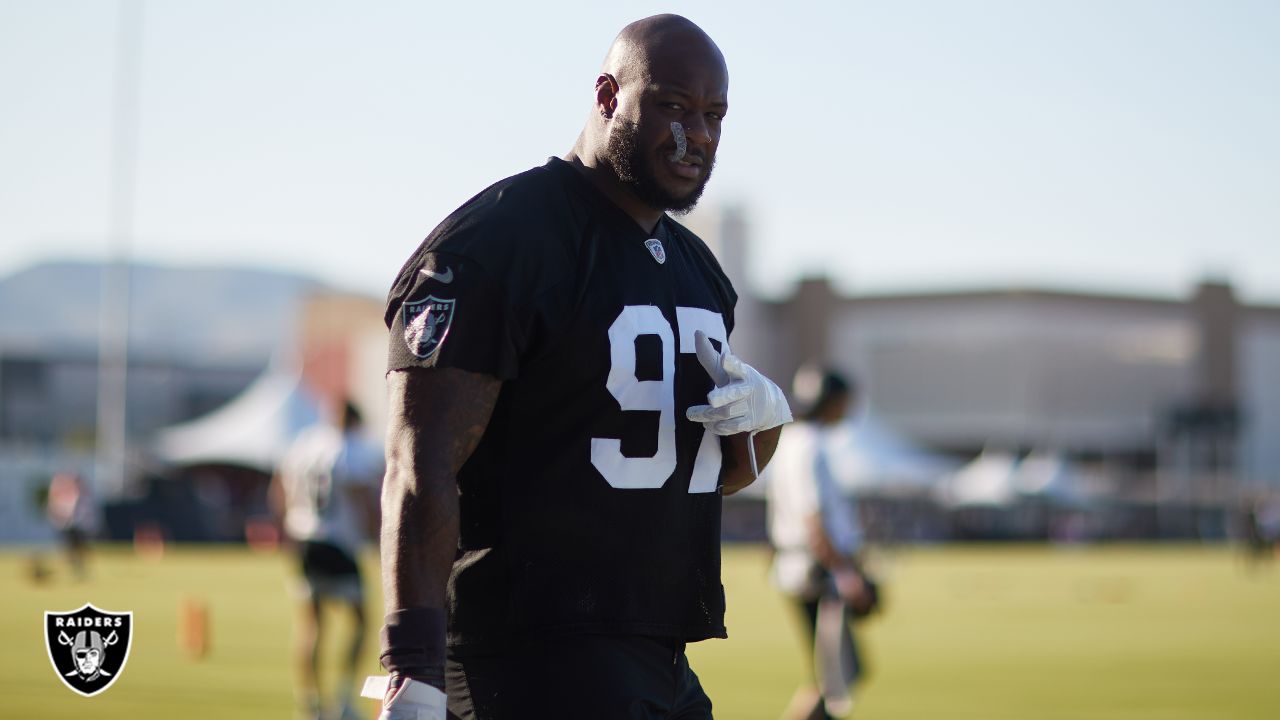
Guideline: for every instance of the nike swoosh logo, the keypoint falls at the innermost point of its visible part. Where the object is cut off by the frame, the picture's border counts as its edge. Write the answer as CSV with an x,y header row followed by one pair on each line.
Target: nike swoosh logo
x,y
445,277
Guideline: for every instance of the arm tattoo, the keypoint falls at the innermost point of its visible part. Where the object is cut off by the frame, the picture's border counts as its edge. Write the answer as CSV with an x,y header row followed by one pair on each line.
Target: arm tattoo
x,y
437,418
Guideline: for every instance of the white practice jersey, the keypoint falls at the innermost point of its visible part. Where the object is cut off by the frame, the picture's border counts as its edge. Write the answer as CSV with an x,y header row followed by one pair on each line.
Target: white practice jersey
x,y
800,482
315,473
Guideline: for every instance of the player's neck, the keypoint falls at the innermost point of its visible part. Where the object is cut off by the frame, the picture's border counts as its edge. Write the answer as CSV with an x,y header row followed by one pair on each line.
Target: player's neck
x,y
603,178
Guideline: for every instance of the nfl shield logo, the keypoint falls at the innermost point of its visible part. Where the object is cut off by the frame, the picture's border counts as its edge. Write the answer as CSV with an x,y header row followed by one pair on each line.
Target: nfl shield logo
x,y
88,647
656,250
426,322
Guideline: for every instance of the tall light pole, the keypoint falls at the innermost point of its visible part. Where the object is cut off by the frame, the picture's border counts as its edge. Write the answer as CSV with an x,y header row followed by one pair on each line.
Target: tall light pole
x,y
113,332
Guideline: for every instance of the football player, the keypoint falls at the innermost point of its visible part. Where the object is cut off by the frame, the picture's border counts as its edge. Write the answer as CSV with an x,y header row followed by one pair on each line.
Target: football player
x,y
818,543
566,414
325,493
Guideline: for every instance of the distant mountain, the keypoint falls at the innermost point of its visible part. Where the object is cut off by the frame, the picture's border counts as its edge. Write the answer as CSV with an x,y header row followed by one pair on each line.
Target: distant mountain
x,y
201,315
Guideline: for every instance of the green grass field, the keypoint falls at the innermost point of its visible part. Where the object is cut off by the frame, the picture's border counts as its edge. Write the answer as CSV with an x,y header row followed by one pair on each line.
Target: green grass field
x,y
1010,632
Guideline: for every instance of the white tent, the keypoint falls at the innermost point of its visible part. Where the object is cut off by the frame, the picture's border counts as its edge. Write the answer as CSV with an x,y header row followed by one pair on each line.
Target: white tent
x,y
998,478
868,456
987,481
1050,476
253,430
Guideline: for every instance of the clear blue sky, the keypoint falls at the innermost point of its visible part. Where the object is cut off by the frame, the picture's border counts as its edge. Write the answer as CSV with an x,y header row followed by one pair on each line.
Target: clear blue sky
x,y
1121,145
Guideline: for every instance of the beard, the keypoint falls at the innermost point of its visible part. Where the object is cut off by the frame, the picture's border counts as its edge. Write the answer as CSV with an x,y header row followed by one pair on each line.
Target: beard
x,y
635,169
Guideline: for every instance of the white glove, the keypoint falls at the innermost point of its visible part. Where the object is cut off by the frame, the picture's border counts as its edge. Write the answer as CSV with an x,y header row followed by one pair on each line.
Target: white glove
x,y
743,400
413,700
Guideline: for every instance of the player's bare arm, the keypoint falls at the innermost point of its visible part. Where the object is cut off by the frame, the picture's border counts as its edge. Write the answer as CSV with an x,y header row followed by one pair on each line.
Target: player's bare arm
x,y
846,570
275,498
820,544
436,418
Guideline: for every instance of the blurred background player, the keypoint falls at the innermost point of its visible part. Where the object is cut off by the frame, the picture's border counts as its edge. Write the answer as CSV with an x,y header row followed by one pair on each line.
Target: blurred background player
x,y
325,491
817,538
1260,530
73,513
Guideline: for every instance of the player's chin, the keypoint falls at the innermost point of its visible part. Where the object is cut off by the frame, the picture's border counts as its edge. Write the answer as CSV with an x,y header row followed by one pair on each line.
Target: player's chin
x,y
683,196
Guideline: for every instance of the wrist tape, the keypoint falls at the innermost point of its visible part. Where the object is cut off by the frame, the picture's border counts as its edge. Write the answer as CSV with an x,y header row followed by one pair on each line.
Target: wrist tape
x,y
413,644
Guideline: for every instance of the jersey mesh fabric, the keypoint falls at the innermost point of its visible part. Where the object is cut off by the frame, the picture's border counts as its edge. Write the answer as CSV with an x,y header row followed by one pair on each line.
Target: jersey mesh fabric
x,y
541,268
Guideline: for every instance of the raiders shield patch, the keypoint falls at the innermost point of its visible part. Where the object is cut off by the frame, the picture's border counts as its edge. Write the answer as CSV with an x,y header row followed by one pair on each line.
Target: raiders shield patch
x,y
426,323
88,647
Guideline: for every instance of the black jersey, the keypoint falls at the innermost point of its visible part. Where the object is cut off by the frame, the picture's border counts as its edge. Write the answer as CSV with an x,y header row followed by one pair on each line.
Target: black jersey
x,y
591,504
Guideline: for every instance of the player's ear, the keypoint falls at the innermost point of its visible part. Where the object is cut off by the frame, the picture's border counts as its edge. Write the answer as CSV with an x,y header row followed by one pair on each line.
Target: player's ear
x,y
606,95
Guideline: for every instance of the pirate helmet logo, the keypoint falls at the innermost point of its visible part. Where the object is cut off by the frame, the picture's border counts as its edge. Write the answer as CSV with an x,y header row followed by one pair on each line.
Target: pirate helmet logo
x,y
88,647
426,323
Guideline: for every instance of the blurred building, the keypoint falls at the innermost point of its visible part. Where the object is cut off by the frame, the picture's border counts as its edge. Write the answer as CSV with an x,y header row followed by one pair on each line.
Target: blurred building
x,y
1165,405
48,415
228,456
1168,405
197,338
1137,382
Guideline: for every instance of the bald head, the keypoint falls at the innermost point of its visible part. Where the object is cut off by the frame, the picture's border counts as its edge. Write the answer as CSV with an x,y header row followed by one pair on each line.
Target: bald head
x,y
664,85
657,40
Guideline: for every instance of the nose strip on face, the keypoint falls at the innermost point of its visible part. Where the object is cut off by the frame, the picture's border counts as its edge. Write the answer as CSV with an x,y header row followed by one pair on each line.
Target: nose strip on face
x,y
682,145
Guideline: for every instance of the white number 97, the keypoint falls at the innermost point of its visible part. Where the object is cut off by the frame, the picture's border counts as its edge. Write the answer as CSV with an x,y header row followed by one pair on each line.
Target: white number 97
x,y
632,473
